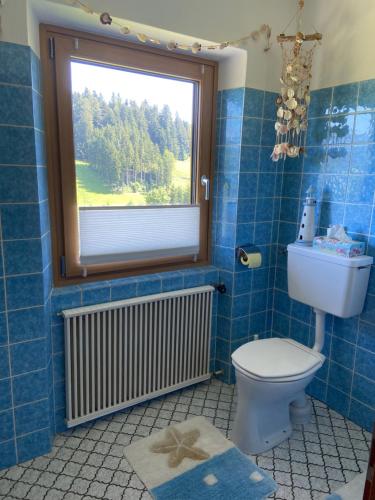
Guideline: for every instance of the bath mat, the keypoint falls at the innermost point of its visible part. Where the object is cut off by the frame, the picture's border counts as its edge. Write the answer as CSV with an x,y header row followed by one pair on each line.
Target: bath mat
x,y
193,460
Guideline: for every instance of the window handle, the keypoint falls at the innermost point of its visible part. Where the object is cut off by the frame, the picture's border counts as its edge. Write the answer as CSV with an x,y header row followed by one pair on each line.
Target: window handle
x,y
205,182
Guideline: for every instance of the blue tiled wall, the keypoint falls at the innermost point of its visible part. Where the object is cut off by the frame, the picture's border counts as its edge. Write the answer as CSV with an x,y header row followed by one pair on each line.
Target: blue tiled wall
x,y
26,391
244,205
255,201
340,164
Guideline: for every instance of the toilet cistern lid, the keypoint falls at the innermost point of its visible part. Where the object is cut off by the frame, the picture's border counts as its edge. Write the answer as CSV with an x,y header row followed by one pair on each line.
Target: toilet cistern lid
x,y
276,358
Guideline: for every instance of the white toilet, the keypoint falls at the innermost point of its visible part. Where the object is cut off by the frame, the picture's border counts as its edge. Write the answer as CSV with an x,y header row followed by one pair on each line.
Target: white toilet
x,y
272,374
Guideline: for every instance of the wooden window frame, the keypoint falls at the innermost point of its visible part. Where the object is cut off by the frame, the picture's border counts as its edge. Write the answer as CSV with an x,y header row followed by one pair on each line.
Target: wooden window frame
x,y
58,45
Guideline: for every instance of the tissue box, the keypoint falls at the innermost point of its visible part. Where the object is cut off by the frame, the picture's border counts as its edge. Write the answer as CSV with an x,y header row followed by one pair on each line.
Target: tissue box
x,y
343,248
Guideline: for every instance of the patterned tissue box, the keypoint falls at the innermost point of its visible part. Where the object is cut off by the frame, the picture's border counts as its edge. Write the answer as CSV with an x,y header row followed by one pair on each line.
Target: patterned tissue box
x,y
342,248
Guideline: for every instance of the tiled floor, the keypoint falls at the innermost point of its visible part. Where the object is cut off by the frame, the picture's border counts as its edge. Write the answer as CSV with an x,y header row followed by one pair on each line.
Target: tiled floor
x,y
88,462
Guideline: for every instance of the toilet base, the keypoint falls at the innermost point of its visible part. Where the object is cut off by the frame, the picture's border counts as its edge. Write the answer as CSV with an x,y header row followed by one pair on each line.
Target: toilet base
x,y
300,411
256,429
266,411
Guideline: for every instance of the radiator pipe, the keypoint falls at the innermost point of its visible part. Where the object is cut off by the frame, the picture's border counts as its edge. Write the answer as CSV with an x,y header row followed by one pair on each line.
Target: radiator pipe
x,y
220,287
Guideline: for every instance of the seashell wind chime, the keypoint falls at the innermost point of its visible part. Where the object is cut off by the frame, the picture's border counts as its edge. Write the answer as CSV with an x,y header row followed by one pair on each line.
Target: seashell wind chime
x,y
294,99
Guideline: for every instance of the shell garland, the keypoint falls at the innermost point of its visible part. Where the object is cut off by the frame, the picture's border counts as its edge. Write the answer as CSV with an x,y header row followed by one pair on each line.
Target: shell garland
x,y
293,102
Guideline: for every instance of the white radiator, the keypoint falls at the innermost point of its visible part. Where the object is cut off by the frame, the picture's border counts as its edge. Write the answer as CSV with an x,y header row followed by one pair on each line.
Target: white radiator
x,y
122,353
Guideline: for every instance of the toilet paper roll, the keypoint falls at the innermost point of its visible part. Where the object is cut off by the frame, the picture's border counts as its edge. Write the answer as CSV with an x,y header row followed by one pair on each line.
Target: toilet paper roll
x,y
252,260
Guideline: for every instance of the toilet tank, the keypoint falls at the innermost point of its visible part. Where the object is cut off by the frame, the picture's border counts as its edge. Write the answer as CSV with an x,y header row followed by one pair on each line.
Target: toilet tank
x,y
334,284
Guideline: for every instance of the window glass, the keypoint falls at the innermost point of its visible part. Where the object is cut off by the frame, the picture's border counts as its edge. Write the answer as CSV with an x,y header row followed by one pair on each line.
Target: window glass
x,y
132,137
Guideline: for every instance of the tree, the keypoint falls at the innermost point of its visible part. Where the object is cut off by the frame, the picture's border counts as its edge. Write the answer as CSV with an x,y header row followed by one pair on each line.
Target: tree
x,y
127,144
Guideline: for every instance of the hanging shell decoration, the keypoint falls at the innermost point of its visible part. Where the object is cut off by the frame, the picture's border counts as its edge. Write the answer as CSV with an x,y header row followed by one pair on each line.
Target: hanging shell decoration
x,y
105,18
293,102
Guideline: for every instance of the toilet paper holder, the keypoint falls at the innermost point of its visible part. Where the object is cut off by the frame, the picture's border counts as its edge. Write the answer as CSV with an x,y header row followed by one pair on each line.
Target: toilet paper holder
x,y
243,251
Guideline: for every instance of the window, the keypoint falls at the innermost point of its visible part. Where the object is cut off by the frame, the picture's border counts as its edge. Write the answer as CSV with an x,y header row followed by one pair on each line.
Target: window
x,y
129,135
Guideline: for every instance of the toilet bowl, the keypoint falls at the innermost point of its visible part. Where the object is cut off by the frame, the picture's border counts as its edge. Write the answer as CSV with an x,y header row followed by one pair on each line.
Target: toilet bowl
x,y
271,376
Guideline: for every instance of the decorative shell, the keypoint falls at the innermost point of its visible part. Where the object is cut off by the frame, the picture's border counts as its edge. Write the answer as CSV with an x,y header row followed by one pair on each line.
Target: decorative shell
x,y
307,99
280,112
279,100
105,18
287,114
196,47
295,123
292,151
290,93
300,110
142,37
289,68
125,30
291,103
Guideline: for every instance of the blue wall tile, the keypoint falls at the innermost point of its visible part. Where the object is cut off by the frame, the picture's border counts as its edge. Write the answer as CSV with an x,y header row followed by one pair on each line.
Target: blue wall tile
x,y
251,130
362,159
340,377
7,450
21,221
3,329
96,294
232,102
16,105
364,128
321,101
364,390
253,105
341,129
338,159
362,414
366,96
345,98
23,256
4,362
365,363
10,139
366,336
230,131
5,394
33,445
6,426
25,291
15,63
338,400
361,189
31,417
30,387
28,356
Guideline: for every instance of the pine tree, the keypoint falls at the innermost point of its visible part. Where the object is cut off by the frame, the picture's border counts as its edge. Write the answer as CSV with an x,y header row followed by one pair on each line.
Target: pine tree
x,y
127,144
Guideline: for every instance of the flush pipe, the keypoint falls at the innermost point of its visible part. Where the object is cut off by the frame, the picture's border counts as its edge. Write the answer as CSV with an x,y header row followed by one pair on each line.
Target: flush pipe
x,y
320,317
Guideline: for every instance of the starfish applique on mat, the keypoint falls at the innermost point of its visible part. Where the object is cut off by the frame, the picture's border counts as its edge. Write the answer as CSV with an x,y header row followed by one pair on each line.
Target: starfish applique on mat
x,y
179,445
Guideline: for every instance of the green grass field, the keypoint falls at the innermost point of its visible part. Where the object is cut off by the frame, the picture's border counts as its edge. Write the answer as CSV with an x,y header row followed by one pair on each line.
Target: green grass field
x,y
92,192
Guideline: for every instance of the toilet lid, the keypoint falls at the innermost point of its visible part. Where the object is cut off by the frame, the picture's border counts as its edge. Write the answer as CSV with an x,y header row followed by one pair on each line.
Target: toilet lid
x,y
276,358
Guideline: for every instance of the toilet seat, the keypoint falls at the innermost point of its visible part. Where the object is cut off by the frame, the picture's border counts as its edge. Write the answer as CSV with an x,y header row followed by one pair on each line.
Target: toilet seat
x,y
276,360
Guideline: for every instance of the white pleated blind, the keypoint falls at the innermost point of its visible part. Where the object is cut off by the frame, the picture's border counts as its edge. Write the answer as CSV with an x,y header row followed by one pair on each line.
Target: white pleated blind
x,y
120,234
